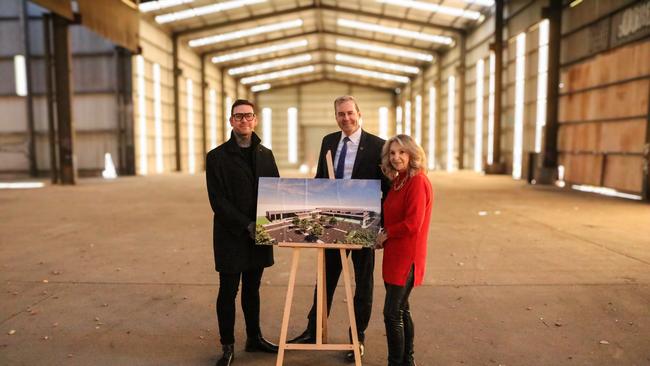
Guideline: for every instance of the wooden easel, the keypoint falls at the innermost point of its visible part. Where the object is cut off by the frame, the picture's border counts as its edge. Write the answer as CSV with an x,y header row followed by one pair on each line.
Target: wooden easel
x,y
321,297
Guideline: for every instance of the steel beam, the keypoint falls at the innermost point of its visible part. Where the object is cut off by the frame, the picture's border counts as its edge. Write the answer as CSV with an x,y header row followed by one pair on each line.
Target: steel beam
x,y
63,82
176,73
497,166
461,101
51,128
203,114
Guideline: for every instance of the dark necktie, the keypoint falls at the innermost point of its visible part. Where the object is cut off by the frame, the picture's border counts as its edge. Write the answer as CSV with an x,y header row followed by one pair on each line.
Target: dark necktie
x,y
340,165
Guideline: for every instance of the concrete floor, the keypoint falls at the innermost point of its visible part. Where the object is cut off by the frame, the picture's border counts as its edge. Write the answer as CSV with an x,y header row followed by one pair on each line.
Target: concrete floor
x,y
121,273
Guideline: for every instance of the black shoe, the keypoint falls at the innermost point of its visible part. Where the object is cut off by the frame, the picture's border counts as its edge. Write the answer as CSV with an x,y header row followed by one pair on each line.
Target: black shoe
x,y
307,337
228,355
350,355
259,344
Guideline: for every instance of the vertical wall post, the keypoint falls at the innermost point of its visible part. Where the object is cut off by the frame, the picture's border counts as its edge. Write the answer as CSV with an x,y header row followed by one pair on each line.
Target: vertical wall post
x,y
548,172
47,50
29,101
461,100
176,73
63,82
497,166
204,85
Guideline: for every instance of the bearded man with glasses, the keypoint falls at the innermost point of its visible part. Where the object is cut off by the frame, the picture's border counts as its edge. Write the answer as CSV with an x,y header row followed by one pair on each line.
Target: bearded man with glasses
x,y
232,173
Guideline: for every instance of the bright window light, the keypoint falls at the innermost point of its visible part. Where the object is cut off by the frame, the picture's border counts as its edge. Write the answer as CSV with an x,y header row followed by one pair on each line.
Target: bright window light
x,y
157,115
226,112
383,122
434,8
161,4
478,129
278,74
451,121
386,50
606,192
142,116
260,87
398,120
204,10
371,74
109,171
259,51
266,127
542,79
490,142
270,64
190,126
407,117
371,27
418,119
21,185
480,2
520,80
432,127
293,134
213,119
204,41
20,71
376,63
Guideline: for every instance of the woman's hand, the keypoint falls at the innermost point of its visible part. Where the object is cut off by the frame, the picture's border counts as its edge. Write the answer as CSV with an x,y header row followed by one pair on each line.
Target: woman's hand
x,y
381,238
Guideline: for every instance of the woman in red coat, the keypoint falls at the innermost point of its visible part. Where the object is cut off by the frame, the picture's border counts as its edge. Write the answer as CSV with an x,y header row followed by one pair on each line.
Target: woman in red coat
x,y
407,210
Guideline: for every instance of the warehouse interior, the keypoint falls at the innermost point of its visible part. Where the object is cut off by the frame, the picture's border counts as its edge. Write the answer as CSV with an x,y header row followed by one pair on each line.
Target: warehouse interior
x,y
534,116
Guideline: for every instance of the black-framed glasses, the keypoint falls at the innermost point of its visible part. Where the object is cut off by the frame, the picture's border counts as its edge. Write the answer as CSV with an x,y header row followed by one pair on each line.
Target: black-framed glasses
x,y
240,116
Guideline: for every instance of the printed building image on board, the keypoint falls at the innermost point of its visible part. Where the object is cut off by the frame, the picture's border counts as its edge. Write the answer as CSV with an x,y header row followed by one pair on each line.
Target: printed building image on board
x,y
327,211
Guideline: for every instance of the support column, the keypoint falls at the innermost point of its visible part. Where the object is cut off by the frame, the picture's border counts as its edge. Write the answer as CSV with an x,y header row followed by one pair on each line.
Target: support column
x,y
645,189
29,101
497,167
51,129
204,85
461,101
547,174
176,73
63,82
438,84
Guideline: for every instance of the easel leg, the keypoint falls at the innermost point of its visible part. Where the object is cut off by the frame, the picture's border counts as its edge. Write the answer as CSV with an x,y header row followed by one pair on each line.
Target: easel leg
x,y
321,299
348,293
287,306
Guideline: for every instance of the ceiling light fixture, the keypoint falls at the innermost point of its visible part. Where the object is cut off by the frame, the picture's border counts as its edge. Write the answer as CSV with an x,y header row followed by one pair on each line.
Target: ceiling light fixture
x,y
270,64
371,74
481,2
245,33
395,31
434,8
204,10
260,87
160,4
376,63
278,74
259,51
386,50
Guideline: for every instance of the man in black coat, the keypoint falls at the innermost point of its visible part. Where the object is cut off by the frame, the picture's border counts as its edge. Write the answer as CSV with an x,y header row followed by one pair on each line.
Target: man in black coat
x,y
357,155
232,172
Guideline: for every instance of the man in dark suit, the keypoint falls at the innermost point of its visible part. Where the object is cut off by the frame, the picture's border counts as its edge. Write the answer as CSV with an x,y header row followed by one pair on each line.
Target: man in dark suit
x,y
232,172
357,155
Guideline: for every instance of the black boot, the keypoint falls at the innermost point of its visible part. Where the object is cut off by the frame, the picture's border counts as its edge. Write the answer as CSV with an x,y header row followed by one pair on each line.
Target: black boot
x,y
307,337
228,355
259,344
409,335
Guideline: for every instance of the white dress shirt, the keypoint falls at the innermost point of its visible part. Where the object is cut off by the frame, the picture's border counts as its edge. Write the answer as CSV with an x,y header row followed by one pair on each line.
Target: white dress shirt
x,y
351,154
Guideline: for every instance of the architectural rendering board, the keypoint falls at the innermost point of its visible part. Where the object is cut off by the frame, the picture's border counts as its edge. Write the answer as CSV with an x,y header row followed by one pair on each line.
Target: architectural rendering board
x,y
326,211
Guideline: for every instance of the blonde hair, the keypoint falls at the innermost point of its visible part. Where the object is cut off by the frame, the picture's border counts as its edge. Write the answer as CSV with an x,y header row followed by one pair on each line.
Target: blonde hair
x,y
417,158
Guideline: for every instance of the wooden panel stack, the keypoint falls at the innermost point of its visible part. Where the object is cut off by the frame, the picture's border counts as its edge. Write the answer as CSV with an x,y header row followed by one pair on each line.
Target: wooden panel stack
x,y
603,118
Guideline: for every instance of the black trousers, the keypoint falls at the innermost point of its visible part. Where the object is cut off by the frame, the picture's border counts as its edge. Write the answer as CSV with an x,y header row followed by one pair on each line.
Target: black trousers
x,y
399,324
363,261
250,303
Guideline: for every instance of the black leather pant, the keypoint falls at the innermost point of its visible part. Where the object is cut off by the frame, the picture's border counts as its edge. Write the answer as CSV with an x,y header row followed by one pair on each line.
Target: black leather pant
x,y
399,325
363,261
250,303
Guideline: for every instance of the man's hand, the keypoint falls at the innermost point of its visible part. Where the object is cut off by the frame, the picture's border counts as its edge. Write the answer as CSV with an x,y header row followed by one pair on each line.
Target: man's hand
x,y
251,230
381,238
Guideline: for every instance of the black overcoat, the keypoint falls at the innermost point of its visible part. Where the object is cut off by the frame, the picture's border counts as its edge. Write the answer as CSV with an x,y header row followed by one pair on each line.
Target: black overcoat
x,y
232,189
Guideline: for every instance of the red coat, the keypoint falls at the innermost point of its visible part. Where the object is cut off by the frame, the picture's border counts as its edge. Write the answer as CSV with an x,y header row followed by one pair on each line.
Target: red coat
x,y
406,220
